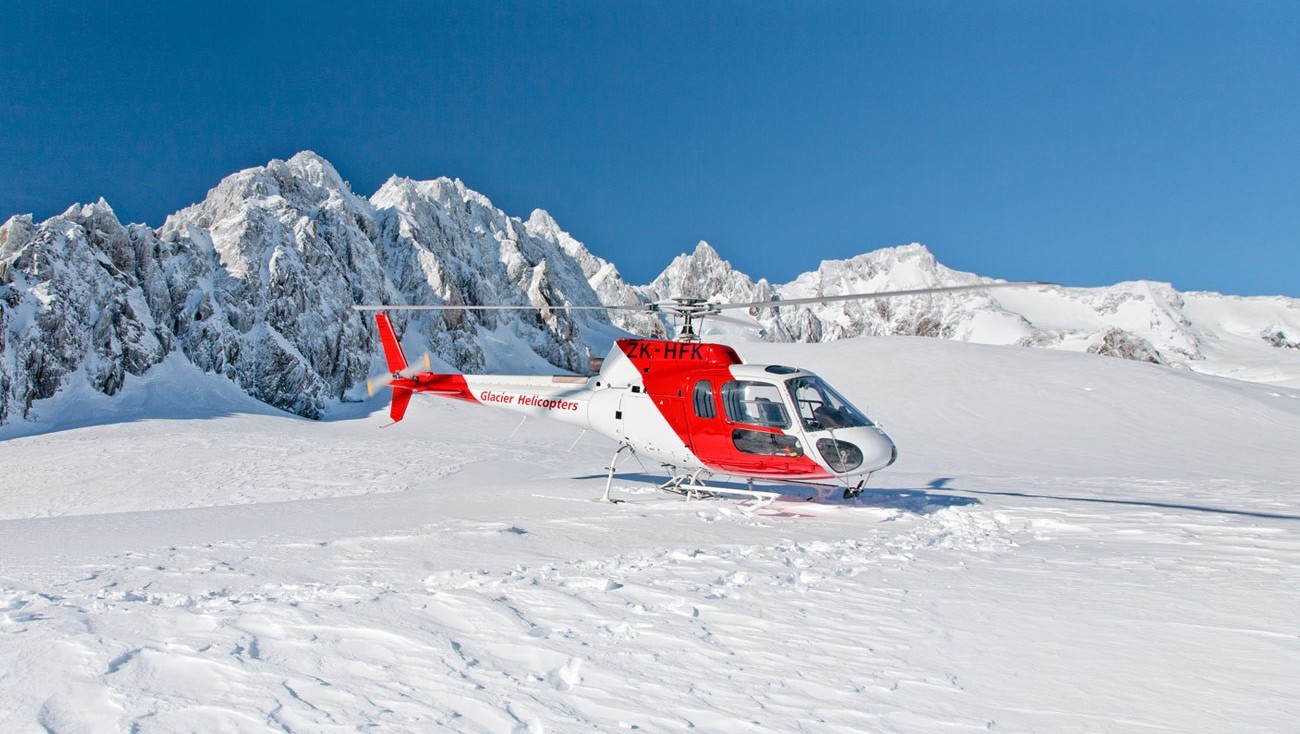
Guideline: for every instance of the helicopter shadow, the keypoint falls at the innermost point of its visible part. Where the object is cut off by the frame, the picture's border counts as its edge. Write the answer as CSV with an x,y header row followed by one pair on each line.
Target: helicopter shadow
x,y
911,500
946,484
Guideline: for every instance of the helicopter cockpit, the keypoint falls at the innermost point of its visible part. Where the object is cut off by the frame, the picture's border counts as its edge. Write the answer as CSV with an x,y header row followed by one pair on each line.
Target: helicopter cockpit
x,y
821,408
784,411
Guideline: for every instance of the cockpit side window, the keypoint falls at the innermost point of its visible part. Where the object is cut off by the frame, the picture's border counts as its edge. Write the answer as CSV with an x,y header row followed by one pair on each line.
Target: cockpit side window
x,y
821,408
755,403
702,396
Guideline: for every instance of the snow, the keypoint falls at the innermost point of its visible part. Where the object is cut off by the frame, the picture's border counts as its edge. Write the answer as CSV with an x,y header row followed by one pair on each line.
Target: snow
x,y
1067,543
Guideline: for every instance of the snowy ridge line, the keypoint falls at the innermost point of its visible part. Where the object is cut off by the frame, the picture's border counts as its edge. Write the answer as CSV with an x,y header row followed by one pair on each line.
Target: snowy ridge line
x,y
1255,339
256,282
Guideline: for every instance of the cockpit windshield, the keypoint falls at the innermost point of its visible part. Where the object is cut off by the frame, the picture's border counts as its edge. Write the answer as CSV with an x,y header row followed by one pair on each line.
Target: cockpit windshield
x,y
821,408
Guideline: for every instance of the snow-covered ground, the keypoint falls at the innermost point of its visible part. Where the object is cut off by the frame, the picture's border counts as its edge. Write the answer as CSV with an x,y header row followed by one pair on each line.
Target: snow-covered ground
x,y
1067,543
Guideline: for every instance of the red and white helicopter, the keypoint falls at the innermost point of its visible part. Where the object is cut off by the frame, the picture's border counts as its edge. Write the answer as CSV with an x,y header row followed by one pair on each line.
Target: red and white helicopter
x,y
695,407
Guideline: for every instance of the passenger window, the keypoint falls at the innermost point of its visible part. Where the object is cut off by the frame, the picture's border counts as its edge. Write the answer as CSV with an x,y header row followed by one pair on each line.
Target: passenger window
x,y
703,398
755,403
766,444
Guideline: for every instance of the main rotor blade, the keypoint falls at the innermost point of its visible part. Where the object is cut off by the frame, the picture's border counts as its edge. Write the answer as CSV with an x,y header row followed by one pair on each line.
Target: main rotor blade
x,y
719,318
697,307
868,296
395,307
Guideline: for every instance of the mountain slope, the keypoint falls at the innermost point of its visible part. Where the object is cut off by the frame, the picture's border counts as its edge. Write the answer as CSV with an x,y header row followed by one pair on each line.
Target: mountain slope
x,y
257,282
1245,338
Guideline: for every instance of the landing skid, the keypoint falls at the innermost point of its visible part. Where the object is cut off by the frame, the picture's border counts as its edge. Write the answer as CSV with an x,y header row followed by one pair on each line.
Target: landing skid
x,y
689,486
609,480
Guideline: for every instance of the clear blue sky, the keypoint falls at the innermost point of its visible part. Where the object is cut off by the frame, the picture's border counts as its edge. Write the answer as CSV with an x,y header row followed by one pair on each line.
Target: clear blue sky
x,y
1084,143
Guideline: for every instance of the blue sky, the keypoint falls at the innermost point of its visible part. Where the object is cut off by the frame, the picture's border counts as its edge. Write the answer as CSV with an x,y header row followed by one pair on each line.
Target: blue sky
x,y
1084,143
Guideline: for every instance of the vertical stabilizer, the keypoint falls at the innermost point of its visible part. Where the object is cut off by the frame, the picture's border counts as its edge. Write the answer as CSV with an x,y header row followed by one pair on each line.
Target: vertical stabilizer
x,y
392,350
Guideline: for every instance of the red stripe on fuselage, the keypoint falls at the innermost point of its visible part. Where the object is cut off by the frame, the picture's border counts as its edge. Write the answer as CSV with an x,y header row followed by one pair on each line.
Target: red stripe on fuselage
x,y
670,371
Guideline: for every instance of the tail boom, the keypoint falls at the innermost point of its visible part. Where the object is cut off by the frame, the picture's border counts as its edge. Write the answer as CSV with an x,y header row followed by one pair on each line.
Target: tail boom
x,y
563,398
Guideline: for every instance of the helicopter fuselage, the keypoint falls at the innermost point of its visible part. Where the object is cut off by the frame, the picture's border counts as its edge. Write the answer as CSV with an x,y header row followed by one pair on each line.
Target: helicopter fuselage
x,y
691,405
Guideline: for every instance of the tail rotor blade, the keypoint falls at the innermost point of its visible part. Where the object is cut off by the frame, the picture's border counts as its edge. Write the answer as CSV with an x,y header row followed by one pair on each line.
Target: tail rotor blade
x,y
373,384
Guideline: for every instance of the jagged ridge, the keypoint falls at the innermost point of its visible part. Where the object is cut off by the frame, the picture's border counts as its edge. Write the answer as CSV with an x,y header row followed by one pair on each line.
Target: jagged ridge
x,y
257,281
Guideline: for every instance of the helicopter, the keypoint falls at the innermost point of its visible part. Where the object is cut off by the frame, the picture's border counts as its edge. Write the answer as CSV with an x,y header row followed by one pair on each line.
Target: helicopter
x,y
694,406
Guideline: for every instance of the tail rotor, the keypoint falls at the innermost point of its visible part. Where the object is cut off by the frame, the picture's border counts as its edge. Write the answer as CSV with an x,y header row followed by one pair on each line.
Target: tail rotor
x,y
382,380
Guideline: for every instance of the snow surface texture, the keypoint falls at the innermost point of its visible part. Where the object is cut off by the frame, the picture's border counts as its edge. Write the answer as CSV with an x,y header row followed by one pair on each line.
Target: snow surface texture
x,y
257,281
1066,544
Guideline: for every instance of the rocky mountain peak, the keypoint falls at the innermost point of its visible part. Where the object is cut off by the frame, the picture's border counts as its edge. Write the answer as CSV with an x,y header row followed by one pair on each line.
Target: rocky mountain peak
x,y
701,274
314,169
15,233
256,282
541,224
304,182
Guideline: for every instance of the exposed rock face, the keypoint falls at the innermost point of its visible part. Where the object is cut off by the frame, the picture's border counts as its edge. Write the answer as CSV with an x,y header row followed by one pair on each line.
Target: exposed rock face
x,y
72,301
261,278
1122,344
702,274
443,244
257,282
601,275
1278,338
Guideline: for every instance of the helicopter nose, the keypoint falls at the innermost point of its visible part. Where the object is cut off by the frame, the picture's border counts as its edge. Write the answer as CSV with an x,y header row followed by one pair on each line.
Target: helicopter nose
x,y
878,450
857,451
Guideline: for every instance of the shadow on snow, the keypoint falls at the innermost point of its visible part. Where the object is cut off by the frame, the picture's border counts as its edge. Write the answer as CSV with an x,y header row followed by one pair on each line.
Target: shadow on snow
x,y
944,483
915,501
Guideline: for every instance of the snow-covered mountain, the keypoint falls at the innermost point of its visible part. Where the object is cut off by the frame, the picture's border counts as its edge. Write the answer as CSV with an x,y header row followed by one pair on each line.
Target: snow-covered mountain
x,y
256,283
1254,339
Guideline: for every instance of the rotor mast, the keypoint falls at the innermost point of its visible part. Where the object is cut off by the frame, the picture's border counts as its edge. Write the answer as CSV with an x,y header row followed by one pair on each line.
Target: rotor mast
x,y
690,310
